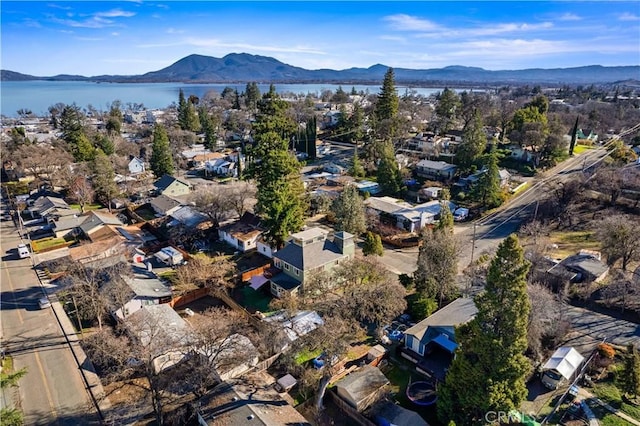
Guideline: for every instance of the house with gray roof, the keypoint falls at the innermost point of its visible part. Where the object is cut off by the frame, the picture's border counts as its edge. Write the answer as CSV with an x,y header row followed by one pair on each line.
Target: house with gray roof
x,y
146,289
306,253
587,266
170,185
438,170
96,220
164,205
439,328
67,225
50,208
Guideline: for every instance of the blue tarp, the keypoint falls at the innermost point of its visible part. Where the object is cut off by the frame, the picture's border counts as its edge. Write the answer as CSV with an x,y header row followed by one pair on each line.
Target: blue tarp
x,y
444,341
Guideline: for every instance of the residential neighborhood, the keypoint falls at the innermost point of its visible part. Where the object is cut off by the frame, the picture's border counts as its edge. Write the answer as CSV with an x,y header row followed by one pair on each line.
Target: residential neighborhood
x,y
213,270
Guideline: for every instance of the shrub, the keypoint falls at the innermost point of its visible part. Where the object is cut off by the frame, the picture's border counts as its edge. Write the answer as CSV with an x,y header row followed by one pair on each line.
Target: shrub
x,y
606,351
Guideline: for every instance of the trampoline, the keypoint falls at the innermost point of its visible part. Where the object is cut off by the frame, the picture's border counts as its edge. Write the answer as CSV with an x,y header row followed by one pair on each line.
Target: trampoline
x,y
421,393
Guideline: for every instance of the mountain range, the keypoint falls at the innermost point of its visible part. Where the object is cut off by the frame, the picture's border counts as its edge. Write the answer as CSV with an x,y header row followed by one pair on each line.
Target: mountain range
x,y
244,67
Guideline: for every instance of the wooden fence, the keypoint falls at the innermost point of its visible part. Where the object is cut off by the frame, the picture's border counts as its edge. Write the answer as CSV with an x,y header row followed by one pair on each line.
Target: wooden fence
x,y
189,297
247,275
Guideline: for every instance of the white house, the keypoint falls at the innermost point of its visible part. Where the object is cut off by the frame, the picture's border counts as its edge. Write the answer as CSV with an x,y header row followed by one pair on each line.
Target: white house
x,y
146,289
136,166
242,234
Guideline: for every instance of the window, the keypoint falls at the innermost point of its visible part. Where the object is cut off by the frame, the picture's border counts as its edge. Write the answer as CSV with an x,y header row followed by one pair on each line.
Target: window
x,y
286,266
296,271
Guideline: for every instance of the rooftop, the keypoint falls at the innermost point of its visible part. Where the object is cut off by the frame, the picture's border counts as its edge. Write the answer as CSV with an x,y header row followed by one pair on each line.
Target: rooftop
x,y
458,312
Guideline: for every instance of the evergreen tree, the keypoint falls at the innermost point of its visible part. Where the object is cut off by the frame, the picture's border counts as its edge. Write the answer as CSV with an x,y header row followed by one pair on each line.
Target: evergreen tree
x,y
356,124
187,119
252,95
372,245
161,160
356,170
487,190
447,109
349,211
474,142
105,144
81,148
489,370
104,178
630,375
208,127
389,176
11,416
276,170
446,217
387,106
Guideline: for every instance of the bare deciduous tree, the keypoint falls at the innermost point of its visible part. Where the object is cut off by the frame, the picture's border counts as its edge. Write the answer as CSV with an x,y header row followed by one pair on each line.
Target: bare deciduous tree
x,y
544,317
619,238
215,201
242,196
82,192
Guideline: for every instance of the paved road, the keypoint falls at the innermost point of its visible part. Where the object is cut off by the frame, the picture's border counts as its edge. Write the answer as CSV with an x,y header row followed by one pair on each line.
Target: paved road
x,y
52,392
589,328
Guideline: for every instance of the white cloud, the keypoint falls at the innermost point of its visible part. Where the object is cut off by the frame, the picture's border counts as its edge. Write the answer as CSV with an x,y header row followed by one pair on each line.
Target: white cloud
x,y
115,34
115,13
97,20
174,31
569,17
212,43
404,22
57,6
628,17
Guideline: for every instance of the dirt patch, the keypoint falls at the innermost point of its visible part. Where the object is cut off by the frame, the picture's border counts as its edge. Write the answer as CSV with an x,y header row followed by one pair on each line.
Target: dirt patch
x,y
130,400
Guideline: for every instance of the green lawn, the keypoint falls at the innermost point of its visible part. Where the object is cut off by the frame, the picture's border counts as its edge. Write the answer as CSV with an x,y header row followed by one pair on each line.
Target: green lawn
x,y
47,243
606,417
254,300
609,393
87,207
579,149
306,356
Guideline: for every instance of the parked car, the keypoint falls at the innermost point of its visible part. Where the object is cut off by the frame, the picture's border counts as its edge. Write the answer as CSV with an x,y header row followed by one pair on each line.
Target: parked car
x,y
23,251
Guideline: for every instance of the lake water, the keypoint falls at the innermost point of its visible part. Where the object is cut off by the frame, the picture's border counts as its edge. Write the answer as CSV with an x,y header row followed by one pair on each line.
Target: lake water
x,y
38,96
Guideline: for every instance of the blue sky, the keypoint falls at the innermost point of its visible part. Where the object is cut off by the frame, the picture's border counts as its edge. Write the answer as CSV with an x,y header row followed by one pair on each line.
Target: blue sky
x,y
134,37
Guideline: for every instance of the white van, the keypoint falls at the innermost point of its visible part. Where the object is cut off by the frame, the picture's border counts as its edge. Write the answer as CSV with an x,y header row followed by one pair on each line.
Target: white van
x,y
23,251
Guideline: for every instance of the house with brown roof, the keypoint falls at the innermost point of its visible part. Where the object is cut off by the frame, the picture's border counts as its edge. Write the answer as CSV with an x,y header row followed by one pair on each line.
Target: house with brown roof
x,y
306,253
243,234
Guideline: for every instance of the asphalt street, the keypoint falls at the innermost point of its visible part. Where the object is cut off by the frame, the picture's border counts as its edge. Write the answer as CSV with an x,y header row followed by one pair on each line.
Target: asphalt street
x,y
52,391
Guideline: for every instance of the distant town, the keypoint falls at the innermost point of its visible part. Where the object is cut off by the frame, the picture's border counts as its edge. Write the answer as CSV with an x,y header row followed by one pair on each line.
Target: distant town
x,y
256,257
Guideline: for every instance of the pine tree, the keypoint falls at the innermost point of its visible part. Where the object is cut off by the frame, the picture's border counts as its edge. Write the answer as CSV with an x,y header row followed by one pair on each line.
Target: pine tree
x,y
630,375
372,245
389,177
104,178
356,170
387,107
276,170
487,190
447,109
489,370
208,127
161,160
252,95
349,211
474,142
187,118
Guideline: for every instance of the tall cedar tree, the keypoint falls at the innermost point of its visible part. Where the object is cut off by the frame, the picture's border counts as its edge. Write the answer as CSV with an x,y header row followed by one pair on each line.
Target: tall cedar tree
x,y
387,107
389,176
103,178
487,190
187,118
276,170
489,370
349,211
474,142
252,95
161,160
